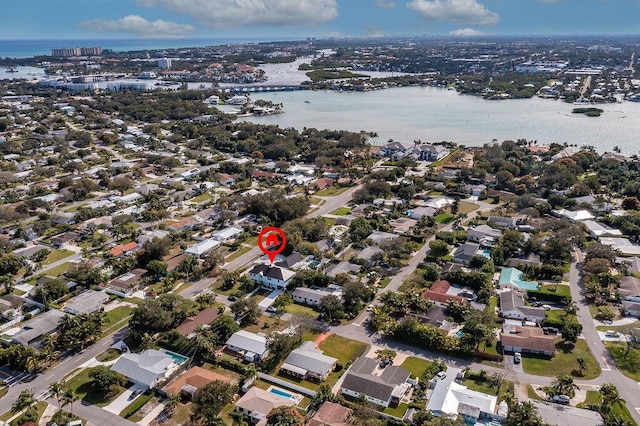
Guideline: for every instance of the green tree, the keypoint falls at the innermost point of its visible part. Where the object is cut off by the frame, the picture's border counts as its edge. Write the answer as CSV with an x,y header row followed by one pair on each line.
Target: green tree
x,y
331,306
25,402
561,385
106,380
247,310
523,414
582,365
157,268
57,390
209,400
285,416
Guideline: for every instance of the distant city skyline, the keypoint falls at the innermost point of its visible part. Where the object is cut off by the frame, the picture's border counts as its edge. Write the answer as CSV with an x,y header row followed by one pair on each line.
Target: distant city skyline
x,y
170,19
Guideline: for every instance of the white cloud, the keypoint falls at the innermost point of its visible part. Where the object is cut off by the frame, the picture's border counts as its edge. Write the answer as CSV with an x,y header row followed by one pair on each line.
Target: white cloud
x,y
139,26
385,4
464,12
466,32
234,13
374,31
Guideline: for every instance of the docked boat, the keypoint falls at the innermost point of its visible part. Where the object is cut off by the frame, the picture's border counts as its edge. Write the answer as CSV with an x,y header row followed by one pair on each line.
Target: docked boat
x,y
582,101
634,98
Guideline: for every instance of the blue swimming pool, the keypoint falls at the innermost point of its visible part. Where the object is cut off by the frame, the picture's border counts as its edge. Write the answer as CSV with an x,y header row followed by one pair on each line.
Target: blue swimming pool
x,y
459,334
177,358
281,392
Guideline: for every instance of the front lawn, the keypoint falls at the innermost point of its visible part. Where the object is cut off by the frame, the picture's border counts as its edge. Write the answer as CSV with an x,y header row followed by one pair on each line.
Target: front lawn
x,y
201,198
444,218
628,363
345,350
115,318
532,394
56,255
467,207
58,270
236,254
559,290
618,408
295,309
331,191
415,366
81,385
563,362
342,211
396,411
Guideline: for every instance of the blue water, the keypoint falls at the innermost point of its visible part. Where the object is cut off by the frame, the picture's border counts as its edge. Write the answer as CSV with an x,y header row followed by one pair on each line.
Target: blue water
x,y
179,359
459,334
29,48
281,393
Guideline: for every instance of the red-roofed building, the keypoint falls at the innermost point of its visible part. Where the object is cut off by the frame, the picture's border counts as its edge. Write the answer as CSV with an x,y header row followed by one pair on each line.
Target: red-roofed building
x,y
120,250
320,184
183,224
204,317
263,175
438,293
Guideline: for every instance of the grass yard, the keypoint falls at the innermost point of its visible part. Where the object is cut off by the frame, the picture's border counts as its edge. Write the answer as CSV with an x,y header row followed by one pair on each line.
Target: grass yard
x,y
136,405
532,394
593,397
558,290
467,207
236,254
384,282
334,190
108,355
342,211
81,386
115,318
343,349
58,270
295,309
554,317
397,411
444,218
618,328
40,407
629,363
57,255
415,366
201,198
563,362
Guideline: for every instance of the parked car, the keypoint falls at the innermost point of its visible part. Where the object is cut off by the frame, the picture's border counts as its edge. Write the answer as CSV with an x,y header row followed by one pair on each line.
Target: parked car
x,y
272,310
369,308
517,358
135,393
561,399
232,298
546,307
611,333
550,330
441,375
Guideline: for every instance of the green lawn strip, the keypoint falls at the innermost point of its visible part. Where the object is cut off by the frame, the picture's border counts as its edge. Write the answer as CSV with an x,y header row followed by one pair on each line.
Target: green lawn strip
x,y
466,207
627,363
385,282
40,407
108,355
593,397
444,218
563,362
136,405
293,380
532,394
397,411
74,208
342,211
559,290
58,270
3,391
236,254
81,385
554,317
57,255
415,366
345,350
201,198
619,408
115,319
619,328
295,309
329,192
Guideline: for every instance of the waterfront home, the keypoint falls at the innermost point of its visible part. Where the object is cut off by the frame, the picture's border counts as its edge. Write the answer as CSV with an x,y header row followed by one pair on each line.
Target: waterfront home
x,y
428,152
384,388
308,362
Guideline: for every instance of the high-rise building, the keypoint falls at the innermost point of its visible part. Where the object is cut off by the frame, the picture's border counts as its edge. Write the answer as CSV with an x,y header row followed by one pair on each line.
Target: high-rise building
x,y
164,63
76,51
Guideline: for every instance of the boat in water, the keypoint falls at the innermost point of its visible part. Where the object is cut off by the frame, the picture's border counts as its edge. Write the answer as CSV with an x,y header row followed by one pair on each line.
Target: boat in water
x,y
634,98
582,101
307,102
12,70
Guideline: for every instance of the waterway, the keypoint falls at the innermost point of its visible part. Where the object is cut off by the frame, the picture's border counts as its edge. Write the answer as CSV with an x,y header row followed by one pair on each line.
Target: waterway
x,y
433,114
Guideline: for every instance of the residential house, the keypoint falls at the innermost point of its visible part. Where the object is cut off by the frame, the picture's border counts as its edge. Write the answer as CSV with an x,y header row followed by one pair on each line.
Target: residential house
x,y
125,284
293,261
512,278
203,247
249,346
311,296
574,216
202,319
623,245
185,224
31,331
631,308
503,222
271,277
450,398
263,175
308,362
331,413
124,249
145,369
528,259
29,251
512,306
629,288
193,379
482,233
403,225
320,184
597,230
530,340
379,237
438,293
438,203
428,152
87,302
465,252
566,415
227,234
369,254
385,389
418,213
257,404
225,179
436,316
65,239
391,148
343,268
632,264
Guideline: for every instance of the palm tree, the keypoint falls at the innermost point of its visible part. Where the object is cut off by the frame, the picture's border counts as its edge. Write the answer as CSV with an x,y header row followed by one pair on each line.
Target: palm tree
x,y
237,417
48,342
616,420
57,391
69,397
610,396
563,385
172,403
582,364
8,282
571,308
26,401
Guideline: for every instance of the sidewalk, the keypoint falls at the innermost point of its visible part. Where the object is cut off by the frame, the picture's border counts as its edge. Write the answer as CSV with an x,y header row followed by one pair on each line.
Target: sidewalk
x,y
152,414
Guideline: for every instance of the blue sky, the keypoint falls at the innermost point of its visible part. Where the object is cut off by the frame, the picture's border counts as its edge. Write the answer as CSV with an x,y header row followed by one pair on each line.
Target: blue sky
x,y
93,19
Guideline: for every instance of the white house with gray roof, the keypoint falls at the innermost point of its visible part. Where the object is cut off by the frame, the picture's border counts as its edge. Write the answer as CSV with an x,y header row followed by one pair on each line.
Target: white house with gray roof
x,y
31,331
512,306
308,362
312,296
385,388
249,346
145,369
86,302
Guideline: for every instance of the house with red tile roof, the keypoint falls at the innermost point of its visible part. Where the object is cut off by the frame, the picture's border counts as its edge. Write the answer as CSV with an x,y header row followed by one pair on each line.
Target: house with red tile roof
x,y
122,249
438,293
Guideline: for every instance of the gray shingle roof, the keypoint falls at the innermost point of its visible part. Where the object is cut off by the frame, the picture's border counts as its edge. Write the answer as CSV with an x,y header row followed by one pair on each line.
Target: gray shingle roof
x,y
145,367
310,358
248,341
359,379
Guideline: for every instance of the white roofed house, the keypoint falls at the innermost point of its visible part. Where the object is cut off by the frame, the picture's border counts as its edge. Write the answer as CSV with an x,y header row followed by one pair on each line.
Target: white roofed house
x,y
512,306
428,152
308,362
227,234
312,297
597,230
203,247
86,302
482,233
145,369
249,346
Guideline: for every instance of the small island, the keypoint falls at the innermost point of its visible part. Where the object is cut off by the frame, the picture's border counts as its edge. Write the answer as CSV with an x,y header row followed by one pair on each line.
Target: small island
x,y
589,112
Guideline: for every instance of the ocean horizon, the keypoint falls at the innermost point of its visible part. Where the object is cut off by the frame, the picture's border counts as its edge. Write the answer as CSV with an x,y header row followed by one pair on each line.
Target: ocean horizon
x,y
30,48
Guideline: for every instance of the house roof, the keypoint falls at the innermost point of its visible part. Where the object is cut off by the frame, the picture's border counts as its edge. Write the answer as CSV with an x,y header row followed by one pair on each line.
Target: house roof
x,y
513,300
513,276
308,357
196,377
368,253
449,397
273,272
45,323
204,317
531,338
438,293
227,233
86,302
555,414
202,247
332,414
485,230
629,286
466,251
119,250
145,367
129,279
248,341
259,403
360,379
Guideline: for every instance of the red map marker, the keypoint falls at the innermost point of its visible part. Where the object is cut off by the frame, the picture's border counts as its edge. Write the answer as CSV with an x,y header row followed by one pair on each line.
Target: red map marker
x,y
274,242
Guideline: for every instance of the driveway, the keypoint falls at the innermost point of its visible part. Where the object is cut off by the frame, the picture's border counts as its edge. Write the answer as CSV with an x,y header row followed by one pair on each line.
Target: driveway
x,y
121,402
